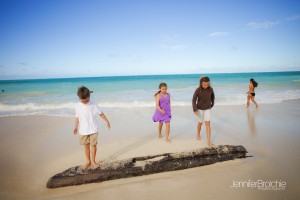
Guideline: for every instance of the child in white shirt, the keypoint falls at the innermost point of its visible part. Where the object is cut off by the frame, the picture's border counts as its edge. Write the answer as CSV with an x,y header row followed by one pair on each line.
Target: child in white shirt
x,y
87,127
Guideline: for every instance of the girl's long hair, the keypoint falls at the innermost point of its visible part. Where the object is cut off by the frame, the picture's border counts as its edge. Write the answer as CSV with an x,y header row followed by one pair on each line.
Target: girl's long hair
x,y
160,86
254,83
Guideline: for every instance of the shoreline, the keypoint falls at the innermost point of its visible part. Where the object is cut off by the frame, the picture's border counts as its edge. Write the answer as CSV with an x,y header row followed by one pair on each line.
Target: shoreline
x,y
69,110
37,147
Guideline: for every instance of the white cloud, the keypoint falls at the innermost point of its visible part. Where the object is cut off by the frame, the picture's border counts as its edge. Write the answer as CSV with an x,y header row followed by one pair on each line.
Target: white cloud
x,y
23,63
168,39
172,47
170,36
294,17
218,34
112,55
262,25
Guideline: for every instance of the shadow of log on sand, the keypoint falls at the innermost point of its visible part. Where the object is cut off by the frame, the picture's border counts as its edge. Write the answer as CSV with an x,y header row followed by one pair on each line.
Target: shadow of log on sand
x,y
147,165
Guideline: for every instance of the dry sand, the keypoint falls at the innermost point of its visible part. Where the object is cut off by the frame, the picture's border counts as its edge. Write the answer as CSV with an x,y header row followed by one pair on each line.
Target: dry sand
x,y
34,148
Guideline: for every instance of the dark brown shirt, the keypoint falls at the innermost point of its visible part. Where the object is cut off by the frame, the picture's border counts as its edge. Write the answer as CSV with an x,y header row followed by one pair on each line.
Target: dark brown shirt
x,y
203,99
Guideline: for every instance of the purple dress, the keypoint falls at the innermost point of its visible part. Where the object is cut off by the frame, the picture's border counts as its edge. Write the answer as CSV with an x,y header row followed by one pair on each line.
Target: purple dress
x,y
164,103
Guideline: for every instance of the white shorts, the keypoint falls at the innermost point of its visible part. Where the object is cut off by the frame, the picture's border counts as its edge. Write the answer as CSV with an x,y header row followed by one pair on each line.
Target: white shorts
x,y
204,115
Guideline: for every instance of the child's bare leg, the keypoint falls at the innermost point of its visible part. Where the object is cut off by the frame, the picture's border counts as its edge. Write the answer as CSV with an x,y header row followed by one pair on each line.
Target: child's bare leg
x,y
199,130
207,124
252,99
167,131
87,156
248,100
160,125
93,154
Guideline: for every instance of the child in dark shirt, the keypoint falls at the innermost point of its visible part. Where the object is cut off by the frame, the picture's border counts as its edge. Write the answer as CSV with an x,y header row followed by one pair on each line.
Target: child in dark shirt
x,y
203,101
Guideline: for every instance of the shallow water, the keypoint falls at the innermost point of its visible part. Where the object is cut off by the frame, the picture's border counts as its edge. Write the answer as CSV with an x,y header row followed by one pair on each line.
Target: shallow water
x,y
57,97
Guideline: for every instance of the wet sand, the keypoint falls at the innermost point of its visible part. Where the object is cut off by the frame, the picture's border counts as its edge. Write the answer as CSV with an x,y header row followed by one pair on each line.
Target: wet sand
x,y
34,148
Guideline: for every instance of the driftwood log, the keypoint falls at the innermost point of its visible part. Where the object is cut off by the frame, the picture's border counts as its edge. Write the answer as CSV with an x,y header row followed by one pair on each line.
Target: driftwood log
x,y
146,165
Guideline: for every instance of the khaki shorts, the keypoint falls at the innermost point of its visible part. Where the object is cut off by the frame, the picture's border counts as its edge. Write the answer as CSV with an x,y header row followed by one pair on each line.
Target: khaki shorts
x,y
203,116
89,139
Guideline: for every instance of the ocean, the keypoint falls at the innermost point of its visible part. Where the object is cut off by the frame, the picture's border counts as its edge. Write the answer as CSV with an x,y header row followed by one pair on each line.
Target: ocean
x,y
57,97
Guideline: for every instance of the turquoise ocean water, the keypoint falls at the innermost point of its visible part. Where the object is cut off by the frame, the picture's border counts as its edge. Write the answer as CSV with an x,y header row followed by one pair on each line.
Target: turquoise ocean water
x,y
58,96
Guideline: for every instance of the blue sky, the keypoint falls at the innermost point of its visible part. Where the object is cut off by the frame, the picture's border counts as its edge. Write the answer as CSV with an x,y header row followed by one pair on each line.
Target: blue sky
x,y
72,38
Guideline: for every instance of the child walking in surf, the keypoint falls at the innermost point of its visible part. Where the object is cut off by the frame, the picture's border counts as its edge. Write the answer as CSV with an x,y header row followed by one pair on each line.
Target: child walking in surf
x,y
251,94
163,110
203,101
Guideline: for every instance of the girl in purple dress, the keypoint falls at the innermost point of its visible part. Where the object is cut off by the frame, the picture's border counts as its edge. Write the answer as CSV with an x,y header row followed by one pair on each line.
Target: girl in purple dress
x,y
163,110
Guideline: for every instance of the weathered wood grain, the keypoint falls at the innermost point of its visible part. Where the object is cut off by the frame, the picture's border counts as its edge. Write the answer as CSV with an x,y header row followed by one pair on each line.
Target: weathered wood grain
x,y
139,166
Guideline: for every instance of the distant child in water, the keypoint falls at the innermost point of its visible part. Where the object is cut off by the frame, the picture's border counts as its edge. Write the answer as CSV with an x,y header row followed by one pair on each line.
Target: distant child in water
x,y
251,94
203,101
163,110
87,127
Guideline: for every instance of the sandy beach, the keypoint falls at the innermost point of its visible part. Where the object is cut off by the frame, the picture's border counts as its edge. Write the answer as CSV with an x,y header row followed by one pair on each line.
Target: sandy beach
x,y
34,148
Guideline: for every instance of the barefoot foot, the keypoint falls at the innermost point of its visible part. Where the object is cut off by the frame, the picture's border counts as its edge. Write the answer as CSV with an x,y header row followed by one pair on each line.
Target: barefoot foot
x,y
168,141
210,144
96,165
86,165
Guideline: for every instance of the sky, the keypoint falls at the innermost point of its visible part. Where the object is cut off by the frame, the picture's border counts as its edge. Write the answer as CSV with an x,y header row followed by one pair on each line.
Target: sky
x,y
80,38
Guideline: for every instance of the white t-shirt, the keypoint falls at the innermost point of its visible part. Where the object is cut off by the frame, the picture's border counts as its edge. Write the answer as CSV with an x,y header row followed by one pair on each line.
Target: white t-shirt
x,y
87,114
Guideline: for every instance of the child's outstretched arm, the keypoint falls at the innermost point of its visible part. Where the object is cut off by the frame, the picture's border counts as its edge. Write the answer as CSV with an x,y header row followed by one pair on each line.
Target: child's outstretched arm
x,y
102,115
75,131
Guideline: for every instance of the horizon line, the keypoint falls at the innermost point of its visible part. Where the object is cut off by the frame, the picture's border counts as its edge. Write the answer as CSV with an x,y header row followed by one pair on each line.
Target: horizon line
x,y
110,76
